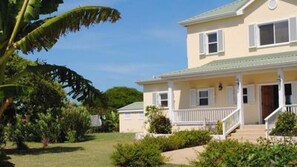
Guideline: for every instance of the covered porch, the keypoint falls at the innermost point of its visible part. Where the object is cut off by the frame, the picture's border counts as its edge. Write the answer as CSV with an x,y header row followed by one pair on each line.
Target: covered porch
x,y
255,91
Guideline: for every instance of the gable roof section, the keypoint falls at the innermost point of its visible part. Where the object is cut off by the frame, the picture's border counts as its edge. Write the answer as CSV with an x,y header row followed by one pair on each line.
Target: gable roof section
x,y
134,107
242,64
232,9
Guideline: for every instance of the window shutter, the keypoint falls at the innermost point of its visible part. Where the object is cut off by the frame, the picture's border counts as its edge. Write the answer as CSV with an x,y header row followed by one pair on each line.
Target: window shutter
x,y
211,96
155,99
293,29
251,94
193,98
221,47
294,92
252,36
230,95
202,48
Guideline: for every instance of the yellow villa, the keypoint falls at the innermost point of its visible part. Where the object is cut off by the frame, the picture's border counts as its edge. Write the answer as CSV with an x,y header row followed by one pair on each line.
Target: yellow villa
x,y
242,67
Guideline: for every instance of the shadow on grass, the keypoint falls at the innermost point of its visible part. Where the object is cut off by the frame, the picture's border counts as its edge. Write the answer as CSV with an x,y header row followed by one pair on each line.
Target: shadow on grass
x,y
88,138
38,151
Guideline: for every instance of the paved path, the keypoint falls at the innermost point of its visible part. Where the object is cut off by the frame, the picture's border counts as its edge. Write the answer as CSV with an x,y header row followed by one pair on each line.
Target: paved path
x,y
183,156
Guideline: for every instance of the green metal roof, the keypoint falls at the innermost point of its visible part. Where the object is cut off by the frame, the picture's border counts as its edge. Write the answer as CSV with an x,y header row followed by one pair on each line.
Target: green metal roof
x,y
132,107
248,63
218,13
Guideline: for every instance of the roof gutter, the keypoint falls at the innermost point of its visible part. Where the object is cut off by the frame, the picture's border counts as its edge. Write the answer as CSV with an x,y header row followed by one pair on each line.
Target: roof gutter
x,y
207,19
231,71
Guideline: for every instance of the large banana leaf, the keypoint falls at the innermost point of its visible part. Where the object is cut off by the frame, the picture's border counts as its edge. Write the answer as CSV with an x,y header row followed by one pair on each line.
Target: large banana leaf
x,y
80,88
47,34
12,90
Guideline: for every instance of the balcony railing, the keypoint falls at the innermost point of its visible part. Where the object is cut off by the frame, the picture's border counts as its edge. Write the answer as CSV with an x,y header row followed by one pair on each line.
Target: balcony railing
x,y
201,116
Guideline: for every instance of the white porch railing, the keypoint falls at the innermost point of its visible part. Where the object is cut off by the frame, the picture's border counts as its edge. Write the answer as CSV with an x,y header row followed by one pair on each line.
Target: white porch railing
x,y
271,119
200,115
231,122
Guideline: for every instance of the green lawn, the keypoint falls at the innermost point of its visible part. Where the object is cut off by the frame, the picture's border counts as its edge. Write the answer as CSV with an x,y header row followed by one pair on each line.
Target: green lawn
x,y
92,153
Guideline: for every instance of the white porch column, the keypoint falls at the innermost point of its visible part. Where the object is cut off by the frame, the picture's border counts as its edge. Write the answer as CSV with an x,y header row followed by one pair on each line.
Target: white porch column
x,y
239,97
281,88
170,101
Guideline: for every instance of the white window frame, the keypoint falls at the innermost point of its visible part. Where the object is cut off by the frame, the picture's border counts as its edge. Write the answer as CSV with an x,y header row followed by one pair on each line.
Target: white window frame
x,y
127,116
199,98
159,100
209,43
267,23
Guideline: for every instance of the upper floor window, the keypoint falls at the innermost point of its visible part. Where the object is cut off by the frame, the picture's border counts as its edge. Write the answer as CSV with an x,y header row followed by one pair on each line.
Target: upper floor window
x,y
211,42
212,39
274,33
278,32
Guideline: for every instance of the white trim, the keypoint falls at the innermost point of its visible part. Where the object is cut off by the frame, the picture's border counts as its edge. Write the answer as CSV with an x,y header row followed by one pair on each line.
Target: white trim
x,y
240,97
158,98
230,71
131,111
170,100
274,40
209,43
281,88
240,10
198,97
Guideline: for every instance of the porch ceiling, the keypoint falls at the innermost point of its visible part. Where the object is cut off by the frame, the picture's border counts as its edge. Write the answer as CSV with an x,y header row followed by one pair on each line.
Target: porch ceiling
x,y
243,64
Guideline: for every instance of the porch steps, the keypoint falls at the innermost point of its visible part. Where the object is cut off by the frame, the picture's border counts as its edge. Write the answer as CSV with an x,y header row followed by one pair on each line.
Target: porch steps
x,y
249,133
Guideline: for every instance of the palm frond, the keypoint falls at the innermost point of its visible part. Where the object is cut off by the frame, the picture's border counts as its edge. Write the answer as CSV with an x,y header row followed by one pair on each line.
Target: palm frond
x,y
46,35
81,88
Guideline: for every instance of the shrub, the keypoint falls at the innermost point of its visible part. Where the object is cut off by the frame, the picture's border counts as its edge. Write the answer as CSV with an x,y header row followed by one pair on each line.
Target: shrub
x,y
285,124
49,127
137,155
179,140
193,137
219,127
17,132
75,123
2,136
234,153
163,143
110,122
158,123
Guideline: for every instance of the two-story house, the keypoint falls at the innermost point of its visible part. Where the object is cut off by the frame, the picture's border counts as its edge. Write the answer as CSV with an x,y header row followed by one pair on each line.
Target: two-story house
x,y
242,67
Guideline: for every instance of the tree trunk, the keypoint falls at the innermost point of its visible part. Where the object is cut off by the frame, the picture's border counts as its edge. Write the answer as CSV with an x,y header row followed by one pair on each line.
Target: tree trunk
x,y
4,105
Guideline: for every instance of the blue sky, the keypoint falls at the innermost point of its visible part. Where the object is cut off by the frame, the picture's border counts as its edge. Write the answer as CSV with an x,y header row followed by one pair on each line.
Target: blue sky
x,y
146,42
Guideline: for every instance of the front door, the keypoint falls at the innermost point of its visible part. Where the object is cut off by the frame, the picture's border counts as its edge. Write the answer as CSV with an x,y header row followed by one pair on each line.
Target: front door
x,y
269,100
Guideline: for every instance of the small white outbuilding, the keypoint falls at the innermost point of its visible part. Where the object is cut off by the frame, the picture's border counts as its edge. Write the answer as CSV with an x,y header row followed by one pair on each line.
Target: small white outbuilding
x,y
132,118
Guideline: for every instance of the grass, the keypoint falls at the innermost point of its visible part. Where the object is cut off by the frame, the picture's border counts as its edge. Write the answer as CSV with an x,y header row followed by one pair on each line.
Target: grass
x,y
95,151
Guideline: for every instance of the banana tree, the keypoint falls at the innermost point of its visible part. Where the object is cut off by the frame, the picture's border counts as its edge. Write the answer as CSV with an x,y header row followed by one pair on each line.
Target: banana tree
x,y
28,25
